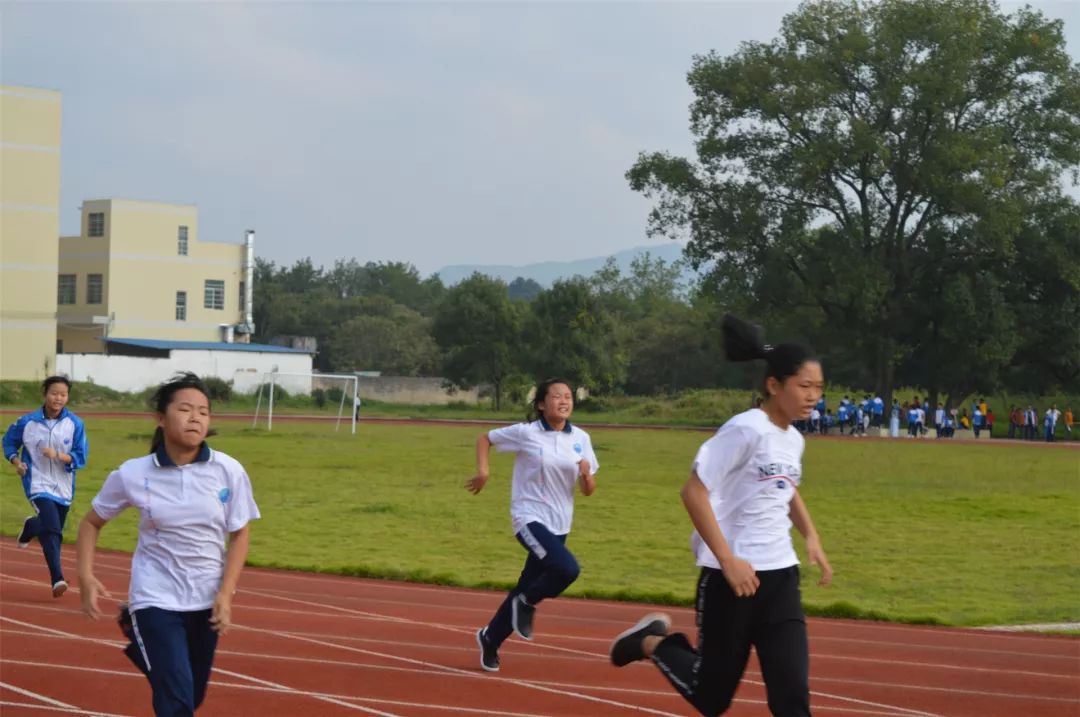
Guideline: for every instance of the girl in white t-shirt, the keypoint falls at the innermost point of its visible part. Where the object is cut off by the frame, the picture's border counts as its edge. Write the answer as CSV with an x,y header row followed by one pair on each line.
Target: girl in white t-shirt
x,y
191,501
742,497
552,456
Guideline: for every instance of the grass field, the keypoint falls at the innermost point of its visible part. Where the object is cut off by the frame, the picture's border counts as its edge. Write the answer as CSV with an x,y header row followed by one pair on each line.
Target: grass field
x,y
916,531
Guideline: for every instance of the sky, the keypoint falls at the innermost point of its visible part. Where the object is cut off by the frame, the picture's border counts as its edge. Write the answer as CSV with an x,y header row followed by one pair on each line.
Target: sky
x,y
432,133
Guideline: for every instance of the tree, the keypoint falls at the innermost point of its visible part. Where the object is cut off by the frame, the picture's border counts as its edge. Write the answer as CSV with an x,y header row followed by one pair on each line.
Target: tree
x,y
571,335
478,329
522,289
399,344
867,146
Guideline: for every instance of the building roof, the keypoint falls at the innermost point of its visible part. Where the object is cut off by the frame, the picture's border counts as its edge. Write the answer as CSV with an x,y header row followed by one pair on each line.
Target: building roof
x,y
163,345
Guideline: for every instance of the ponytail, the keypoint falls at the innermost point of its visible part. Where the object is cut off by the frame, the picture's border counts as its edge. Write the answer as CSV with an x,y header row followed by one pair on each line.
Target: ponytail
x,y
744,341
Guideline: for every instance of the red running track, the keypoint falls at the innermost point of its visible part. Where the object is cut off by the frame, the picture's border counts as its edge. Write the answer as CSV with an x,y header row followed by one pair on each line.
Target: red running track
x,y
322,645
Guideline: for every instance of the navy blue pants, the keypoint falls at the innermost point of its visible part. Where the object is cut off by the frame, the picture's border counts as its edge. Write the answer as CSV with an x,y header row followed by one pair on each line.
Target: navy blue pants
x,y
48,527
549,569
176,650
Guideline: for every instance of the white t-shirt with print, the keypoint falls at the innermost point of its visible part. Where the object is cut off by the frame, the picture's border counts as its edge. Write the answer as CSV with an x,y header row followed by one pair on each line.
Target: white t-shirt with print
x,y
185,515
752,468
545,472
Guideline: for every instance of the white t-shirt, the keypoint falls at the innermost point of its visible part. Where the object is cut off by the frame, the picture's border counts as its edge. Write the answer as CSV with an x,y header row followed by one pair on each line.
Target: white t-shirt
x,y
185,515
545,472
751,467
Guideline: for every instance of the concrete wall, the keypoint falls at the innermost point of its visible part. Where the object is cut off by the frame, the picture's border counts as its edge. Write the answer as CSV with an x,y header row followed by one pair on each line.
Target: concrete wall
x,y
404,389
29,225
245,369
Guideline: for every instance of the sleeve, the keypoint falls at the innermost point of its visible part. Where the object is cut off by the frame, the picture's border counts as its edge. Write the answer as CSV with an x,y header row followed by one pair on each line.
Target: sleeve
x,y
240,508
80,447
113,498
590,455
509,439
726,451
13,438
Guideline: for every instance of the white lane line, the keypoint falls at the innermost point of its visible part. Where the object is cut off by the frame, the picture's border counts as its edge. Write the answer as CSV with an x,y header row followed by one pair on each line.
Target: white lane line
x,y
376,616
53,708
326,696
37,696
471,675
70,635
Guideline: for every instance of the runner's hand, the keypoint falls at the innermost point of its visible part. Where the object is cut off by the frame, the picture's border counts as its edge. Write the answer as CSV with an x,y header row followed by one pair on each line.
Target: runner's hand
x,y
817,557
741,577
221,614
90,589
476,484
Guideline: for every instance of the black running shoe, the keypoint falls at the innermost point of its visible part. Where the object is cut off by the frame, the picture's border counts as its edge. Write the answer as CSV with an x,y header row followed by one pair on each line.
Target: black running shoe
x,y
489,656
626,648
521,617
25,535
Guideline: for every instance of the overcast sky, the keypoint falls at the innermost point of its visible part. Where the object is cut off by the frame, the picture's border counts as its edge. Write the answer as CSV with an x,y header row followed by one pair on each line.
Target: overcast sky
x,y
442,133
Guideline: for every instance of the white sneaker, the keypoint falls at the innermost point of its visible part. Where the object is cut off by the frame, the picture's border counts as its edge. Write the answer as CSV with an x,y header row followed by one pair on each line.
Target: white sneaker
x,y
59,588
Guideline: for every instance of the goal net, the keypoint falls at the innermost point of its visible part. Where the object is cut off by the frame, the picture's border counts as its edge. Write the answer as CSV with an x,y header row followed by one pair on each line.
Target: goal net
x,y
331,384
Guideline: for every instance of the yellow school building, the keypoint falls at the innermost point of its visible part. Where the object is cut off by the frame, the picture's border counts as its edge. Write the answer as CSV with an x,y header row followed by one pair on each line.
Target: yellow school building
x,y
139,270
29,227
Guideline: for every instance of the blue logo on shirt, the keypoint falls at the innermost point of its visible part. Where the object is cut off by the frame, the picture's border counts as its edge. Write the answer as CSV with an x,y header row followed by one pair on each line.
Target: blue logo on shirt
x,y
577,448
224,494
781,484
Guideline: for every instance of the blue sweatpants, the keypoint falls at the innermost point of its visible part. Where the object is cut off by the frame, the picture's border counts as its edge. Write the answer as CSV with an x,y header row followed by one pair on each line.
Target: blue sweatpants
x,y
48,527
177,649
549,569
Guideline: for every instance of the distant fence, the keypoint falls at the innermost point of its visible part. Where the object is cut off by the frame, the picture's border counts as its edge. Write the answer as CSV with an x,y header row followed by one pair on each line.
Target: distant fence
x,y
404,389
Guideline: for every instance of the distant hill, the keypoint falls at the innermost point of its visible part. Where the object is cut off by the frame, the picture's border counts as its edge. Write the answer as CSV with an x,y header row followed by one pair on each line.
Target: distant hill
x,y
546,273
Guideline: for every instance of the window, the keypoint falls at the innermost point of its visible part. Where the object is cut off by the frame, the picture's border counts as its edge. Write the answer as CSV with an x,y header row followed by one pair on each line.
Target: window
x,y
181,241
242,297
214,294
96,224
94,285
181,306
65,289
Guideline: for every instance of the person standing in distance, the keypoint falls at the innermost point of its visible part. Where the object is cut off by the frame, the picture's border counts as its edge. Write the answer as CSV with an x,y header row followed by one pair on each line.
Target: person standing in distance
x,y
194,507
742,497
552,456
53,446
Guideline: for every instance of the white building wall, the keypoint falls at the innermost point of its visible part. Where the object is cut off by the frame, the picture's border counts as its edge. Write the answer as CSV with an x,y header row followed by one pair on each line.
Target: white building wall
x,y
246,369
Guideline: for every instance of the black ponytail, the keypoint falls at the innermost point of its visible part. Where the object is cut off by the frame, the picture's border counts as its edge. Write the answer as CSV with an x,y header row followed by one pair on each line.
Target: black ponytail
x,y
744,341
163,396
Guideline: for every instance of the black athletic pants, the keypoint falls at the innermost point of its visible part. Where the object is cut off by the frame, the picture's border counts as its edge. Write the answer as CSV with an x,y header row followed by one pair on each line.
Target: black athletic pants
x,y
772,621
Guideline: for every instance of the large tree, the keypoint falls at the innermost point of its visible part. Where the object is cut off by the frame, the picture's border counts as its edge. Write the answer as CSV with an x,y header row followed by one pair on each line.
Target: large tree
x,y
841,166
570,335
478,328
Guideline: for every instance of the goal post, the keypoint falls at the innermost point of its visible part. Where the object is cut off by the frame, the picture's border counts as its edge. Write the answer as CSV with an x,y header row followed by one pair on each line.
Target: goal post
x,y
350,388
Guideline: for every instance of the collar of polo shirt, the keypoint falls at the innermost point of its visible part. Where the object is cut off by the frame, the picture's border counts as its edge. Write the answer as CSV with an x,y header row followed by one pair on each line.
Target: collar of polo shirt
x,y
162,460
547,427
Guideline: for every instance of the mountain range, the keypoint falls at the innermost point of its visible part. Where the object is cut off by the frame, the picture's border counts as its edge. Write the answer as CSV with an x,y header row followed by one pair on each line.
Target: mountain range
x,y
545,273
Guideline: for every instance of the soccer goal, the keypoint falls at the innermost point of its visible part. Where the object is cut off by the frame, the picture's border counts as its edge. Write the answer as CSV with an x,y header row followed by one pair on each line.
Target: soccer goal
x,y
350,396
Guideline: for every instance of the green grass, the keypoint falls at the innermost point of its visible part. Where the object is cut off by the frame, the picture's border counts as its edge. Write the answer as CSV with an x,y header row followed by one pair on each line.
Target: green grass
x,y
916,531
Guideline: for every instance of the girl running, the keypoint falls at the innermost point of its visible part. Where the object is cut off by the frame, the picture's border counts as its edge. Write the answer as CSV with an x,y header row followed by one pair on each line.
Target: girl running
x,y
190,499
551,457
53,446
742,497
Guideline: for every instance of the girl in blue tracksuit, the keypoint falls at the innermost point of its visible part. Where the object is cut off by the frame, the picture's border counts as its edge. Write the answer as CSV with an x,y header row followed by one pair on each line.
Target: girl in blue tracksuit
x,y
47,447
